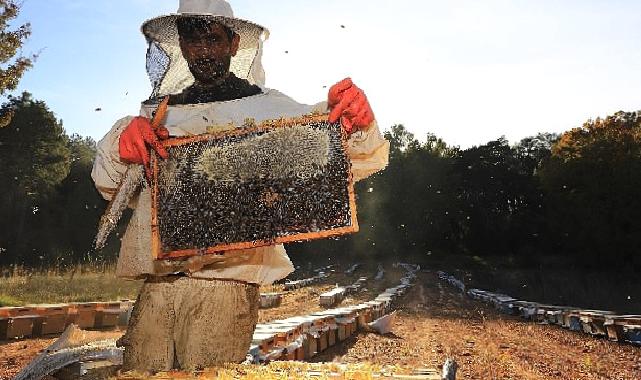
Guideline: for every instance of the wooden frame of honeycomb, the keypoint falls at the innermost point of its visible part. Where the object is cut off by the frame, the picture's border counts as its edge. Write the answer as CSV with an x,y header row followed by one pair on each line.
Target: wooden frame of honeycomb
x,y
161,254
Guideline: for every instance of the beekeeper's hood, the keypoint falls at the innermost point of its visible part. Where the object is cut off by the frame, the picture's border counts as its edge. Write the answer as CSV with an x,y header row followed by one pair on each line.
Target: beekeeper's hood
x,y
168,70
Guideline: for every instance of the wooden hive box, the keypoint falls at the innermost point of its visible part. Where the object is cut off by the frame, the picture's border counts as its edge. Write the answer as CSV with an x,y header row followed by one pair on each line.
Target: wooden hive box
x,y
331,298
633,334
376,309
283,334
310,346
16,311
547,313
300,353
20,326
614,325
386,302
54,318
323,340
107,318
364,317
572,320
85,313
250,187
593,322
264,340
332,336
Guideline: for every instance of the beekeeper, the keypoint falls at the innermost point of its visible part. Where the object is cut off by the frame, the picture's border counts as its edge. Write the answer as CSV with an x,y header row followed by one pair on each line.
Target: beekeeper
x,y
202,311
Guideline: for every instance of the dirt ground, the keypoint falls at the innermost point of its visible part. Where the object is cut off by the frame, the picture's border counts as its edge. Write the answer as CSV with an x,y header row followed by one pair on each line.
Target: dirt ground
x,y
435,323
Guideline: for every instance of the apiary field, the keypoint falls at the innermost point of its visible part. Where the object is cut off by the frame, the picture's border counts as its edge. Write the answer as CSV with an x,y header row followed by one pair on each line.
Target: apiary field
x,y
434,322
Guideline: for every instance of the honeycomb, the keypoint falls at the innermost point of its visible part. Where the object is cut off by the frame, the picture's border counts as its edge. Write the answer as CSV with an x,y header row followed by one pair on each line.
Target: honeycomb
x,y
259,185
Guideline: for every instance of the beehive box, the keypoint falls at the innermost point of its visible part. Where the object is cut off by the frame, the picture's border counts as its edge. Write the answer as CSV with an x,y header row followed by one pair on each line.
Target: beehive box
x,y
281,181
323,340
376,309
633,334
572,320
614,325
84,313
331,337
593,322
16,311
54,318
264,340
310,345
107,318
332,297
19,326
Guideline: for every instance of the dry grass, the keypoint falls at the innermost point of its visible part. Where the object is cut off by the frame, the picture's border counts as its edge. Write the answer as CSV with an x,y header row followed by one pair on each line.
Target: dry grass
x,y
79,285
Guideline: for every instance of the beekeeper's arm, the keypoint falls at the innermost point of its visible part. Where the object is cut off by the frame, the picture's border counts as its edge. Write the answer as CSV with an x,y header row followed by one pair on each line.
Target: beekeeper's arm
x,y
368,150
128,142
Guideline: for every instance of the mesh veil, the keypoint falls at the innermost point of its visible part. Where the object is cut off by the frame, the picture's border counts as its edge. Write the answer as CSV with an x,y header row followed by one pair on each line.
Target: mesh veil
x,y
168,70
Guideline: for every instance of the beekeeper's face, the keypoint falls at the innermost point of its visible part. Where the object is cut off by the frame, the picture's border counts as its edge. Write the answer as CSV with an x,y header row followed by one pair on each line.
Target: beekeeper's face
x,y
208,48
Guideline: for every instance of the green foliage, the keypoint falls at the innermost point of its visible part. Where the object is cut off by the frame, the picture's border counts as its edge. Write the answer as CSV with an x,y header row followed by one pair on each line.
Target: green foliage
x,y
34,154
12,64
497,195
9,301
49,204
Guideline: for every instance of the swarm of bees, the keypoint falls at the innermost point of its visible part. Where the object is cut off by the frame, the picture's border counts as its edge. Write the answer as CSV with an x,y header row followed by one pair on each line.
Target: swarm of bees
x,y
258,185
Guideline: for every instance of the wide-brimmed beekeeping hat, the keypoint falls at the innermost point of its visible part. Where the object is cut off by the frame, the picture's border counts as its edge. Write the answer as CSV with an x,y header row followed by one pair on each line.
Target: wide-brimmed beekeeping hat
x,y
168,70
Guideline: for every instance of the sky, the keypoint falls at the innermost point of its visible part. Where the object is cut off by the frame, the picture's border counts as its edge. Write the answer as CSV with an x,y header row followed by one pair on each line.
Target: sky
x,y
468,71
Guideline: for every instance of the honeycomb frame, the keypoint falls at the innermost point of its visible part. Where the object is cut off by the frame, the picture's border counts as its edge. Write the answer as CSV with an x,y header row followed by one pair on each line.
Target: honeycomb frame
x,y
162,253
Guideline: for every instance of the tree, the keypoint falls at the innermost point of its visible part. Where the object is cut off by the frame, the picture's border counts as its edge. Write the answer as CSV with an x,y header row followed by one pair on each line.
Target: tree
x,y
400,139
35,159
533,150
593,179
78,206
12,64
498,196
33,147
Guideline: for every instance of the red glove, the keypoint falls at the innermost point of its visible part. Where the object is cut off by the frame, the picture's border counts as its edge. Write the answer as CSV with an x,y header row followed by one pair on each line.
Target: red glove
x,y
349,104
136,139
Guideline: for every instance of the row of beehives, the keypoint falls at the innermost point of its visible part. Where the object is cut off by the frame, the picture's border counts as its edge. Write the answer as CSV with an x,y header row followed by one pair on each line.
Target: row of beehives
x,y
40,320
598,323
296,284
338,294
300,338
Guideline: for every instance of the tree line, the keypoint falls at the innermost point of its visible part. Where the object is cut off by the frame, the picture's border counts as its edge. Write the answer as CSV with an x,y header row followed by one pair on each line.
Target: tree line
x,y
572,196
569,199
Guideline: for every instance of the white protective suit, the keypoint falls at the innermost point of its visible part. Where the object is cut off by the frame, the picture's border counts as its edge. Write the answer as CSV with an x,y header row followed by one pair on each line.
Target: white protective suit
x,y
368,152
204,316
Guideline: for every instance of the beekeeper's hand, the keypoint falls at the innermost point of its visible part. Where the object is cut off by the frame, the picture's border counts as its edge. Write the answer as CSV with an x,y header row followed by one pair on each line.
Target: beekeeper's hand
x,y
136,140
348,103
